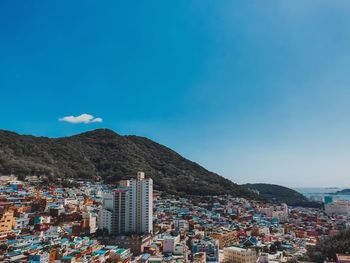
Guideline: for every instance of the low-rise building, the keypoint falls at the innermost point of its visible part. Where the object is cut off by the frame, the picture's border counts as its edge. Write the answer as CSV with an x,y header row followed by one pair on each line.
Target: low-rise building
x,y
7,221
239,255
225,237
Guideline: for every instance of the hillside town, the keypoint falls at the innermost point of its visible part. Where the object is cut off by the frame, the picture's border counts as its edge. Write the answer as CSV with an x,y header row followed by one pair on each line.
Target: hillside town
x,y
131,222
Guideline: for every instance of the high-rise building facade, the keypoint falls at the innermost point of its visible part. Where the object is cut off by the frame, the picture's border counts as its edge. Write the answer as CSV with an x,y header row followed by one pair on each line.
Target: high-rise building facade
x,y
128,209
141,204
113,217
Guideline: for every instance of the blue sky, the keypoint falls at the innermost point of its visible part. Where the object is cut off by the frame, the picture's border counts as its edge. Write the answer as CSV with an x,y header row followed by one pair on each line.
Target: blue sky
x,y
257,91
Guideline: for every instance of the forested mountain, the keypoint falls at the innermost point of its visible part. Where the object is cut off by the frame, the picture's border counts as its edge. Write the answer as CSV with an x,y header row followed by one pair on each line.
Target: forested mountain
x,y
279,194
104,154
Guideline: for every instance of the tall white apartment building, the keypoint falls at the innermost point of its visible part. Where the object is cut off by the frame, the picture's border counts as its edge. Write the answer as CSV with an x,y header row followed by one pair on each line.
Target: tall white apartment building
x,y
129,209
141,204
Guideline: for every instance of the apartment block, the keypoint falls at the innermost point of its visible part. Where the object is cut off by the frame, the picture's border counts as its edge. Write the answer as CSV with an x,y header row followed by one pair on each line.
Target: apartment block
x,y
128,209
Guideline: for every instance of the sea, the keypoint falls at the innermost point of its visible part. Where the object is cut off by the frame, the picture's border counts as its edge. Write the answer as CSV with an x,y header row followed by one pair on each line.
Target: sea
x,y
317,194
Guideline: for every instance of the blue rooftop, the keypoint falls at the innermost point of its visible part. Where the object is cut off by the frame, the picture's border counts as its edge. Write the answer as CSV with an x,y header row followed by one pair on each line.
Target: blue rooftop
x,y
101,252
145,256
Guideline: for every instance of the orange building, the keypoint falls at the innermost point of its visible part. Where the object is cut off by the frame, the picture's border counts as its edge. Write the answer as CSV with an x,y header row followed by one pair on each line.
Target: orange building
x,y
343,258
53,254
7,221
225,238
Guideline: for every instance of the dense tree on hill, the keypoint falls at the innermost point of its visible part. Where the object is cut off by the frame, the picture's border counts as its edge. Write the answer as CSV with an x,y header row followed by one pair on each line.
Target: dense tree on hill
x,y
103,154
327,249
281,194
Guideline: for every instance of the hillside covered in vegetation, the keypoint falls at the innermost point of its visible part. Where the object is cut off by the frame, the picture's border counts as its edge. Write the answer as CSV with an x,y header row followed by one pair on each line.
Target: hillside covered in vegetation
x,y
104,154
327,249
281,194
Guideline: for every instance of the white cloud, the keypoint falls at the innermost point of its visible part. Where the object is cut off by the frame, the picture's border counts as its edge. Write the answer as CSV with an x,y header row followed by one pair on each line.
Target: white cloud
x,y
83,118
97,120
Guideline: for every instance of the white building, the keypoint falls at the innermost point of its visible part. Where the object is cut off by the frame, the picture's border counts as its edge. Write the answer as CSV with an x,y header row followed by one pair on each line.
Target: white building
x,y
181,224
115,212
105,220
93,224
337,208
70,201
141,204
21,222
128,209
92,219
263,258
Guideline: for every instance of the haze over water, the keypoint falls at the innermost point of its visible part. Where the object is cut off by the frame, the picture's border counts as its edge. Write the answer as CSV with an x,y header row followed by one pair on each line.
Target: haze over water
x,y
320,192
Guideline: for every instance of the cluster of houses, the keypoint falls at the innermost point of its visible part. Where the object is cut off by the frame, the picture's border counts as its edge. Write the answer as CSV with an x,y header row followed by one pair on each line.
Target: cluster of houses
x,y
227,229
49,224
54,224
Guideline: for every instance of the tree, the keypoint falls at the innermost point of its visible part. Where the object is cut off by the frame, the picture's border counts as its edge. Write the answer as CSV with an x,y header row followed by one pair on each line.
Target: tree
x,y
327,249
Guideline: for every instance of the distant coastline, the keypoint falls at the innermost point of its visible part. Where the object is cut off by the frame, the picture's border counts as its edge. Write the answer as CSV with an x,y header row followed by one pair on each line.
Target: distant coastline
x,y
318,193
341,192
